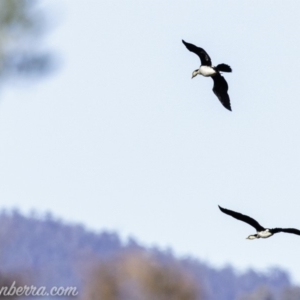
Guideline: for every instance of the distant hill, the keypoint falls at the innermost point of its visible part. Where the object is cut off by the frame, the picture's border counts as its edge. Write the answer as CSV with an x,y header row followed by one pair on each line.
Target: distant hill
x,y
49,252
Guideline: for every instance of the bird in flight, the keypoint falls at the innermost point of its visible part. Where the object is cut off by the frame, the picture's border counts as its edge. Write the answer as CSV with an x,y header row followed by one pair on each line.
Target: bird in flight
x,y
206,69
261,231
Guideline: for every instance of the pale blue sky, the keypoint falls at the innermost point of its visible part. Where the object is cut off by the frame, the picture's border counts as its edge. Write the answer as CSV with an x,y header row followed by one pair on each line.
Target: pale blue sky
x,y
121,138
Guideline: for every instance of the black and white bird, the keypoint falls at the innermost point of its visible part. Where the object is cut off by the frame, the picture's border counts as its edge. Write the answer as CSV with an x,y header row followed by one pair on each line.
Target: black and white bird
x,y
261,231
206,69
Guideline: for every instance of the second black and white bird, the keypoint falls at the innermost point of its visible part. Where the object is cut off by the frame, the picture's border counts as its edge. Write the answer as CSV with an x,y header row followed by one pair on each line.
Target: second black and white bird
x,y
261,231
206,69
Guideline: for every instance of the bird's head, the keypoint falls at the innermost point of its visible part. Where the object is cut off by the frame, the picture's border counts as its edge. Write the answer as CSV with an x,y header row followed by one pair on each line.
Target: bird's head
x,y
195,73
252,237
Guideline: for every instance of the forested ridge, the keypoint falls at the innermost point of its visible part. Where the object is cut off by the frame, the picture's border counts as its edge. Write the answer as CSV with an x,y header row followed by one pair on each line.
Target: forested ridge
x,y
46,251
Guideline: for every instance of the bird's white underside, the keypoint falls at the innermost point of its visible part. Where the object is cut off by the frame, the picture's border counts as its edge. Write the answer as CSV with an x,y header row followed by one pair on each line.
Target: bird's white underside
x,y
206,71
264,234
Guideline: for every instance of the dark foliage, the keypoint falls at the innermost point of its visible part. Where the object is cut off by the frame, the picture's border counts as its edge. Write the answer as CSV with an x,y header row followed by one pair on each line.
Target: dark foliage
x,y
22,24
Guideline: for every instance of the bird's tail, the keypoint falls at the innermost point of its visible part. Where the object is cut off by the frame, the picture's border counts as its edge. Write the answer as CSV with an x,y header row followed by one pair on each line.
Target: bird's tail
x,y
223,68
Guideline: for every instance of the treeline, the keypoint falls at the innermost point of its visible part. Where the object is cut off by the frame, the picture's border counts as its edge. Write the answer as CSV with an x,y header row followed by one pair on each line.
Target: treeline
x,y
43,250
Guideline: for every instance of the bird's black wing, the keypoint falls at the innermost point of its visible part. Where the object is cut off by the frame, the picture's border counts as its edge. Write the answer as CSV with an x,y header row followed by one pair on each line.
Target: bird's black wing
x,y
287,230
243,218
204,57
220,89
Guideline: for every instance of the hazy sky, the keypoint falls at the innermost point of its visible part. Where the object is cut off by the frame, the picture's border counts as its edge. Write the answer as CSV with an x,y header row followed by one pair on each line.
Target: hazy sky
x,y
121,138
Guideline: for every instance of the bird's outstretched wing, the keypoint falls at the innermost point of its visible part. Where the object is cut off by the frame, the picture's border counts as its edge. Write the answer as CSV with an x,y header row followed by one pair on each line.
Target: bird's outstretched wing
x,y
204,57
243,218
220,89
287,230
